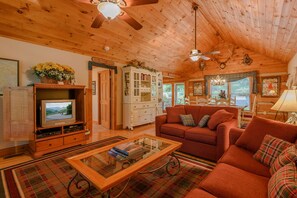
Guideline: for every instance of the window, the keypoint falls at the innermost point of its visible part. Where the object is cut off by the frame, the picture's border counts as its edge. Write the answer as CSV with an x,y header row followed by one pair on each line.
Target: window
x,y
167,96
179,96
240,90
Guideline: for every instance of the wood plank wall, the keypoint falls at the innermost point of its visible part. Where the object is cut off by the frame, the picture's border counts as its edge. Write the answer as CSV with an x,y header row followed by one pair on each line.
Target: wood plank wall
x,y
265,66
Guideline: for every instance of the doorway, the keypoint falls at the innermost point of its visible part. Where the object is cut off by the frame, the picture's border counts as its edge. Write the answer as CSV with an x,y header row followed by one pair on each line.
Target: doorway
x,y
101,103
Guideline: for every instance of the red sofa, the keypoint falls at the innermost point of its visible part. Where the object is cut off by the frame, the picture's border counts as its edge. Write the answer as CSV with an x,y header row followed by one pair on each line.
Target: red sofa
x,y
201,142
238,174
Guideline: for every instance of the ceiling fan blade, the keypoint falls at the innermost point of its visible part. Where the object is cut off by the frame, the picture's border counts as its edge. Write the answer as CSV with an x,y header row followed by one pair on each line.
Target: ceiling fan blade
x,y
213,52
139,2
204,57
132,22
84,1
98,21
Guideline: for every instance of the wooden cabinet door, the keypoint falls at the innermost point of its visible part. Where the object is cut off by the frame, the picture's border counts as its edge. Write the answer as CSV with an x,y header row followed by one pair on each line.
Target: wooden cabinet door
x,y
18,113
105,98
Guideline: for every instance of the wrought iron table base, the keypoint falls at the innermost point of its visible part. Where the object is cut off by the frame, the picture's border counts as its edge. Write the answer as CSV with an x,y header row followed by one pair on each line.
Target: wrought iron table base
x,y
173,162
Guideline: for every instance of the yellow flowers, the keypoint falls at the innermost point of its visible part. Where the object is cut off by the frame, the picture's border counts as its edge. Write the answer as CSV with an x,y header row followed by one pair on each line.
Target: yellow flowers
x,y
54,71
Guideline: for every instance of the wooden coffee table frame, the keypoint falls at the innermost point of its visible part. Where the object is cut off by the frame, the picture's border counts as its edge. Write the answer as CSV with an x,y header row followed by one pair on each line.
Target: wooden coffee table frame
x,y
105,184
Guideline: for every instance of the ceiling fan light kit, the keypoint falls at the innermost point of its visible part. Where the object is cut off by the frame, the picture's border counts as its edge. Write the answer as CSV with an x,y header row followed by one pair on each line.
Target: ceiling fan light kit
x,y
109,10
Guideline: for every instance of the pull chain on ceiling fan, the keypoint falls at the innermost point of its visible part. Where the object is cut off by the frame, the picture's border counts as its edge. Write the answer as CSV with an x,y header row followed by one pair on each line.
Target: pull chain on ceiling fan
x,y
196,54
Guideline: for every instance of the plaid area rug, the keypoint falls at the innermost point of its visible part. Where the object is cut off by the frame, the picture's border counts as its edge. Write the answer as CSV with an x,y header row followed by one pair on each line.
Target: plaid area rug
x,y
49,177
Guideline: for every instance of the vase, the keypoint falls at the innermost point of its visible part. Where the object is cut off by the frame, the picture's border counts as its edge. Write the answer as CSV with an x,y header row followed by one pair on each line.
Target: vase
x,y
48,80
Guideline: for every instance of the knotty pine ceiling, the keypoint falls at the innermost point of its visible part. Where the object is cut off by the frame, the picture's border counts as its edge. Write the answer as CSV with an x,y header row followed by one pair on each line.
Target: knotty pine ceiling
x,y
264,26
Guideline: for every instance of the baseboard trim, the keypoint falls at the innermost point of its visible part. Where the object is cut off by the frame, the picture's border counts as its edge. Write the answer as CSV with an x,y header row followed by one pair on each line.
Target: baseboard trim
x,y
6,152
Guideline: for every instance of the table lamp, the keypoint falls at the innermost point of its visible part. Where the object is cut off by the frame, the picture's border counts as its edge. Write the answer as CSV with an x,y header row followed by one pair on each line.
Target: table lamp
x,y
288,103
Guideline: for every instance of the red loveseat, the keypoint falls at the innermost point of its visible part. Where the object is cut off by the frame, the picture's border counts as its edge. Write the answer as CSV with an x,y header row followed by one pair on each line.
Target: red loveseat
x,y
238,174
201,142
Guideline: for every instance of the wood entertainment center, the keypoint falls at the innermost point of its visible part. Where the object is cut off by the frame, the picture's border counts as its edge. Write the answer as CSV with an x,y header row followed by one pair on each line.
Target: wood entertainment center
x,y
44,140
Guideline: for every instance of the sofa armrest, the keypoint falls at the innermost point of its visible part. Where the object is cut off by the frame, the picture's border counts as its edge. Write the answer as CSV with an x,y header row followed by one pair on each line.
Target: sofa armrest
x,y
160,120
235,133
223,130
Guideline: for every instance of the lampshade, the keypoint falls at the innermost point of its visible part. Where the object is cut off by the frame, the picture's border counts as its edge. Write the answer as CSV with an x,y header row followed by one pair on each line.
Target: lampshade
x,y
109,10
287,102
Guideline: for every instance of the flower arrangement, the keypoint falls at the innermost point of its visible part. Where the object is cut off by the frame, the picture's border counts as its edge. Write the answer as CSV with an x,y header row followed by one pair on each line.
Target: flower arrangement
x,y
54,71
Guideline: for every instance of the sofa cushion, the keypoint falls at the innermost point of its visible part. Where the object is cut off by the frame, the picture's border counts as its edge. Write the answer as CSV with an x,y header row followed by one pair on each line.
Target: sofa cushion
x,y
287,156
270,149
194,110
284,182
203,135
177,130
219,117
173,114
203,121
187,120
244,160
253,135
199,193
209,110
228,181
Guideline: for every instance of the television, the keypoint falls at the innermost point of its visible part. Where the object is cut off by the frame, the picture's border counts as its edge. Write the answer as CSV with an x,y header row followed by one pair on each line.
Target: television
x,y
57,112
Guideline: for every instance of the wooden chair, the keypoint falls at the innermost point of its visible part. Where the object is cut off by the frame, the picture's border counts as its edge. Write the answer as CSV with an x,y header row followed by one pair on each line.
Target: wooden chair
x,y
211,101
201,101
223,101
247,116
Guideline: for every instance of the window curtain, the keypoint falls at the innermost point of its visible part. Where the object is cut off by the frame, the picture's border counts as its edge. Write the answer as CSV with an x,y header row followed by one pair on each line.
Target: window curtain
x,y
232,78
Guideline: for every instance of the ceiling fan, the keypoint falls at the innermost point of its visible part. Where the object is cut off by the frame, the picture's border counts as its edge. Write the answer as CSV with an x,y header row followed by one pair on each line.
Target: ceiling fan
x,y
195,54
110,9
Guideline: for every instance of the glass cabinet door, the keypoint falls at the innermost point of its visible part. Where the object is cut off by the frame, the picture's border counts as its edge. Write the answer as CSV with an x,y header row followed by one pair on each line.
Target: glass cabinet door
x,y
126,83
136,84
154,86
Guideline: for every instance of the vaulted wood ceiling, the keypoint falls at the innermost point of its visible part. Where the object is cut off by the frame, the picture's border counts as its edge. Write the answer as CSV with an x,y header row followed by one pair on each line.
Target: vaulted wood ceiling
x,y
164,42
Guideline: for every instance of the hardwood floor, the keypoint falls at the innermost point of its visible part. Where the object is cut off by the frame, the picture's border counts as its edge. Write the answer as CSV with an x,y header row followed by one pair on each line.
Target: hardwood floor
x,y
99,133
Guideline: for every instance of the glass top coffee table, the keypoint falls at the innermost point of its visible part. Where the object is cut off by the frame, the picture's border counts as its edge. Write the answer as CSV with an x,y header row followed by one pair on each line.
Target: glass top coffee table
x,y
109,166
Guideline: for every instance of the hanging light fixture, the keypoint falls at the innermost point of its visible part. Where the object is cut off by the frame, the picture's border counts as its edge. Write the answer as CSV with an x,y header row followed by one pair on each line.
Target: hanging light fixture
x,y
217,81
194,55
109,9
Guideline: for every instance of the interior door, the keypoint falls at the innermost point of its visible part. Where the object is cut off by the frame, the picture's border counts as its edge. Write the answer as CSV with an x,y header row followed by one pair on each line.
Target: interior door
x,y
105,98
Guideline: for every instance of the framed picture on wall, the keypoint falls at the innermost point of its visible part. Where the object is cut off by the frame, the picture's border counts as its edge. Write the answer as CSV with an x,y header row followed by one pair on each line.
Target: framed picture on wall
x,y
270,86
94,87
9,75
198,88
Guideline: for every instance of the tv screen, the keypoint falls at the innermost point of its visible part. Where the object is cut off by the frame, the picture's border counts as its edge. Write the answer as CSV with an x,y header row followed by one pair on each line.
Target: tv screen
x,y
58,110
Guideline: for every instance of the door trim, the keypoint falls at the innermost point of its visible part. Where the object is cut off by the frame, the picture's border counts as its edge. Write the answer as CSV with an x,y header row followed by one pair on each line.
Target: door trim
x,y
114,71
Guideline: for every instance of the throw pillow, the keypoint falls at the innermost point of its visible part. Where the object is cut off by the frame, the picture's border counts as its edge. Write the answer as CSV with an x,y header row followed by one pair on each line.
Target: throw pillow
x,y
203,122
173,114
287,156
270,149
218,117
187,120
283,183
254,133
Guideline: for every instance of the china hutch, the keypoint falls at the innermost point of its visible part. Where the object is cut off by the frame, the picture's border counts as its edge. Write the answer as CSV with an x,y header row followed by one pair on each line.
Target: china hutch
x,y
142,96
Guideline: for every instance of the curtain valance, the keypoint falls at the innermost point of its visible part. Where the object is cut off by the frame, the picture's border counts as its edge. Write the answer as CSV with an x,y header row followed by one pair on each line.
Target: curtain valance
x,y
232,78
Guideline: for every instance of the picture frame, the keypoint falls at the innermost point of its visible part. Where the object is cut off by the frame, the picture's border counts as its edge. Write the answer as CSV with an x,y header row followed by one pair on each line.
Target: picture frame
x,y
93,87
9,75
198,88
270,86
